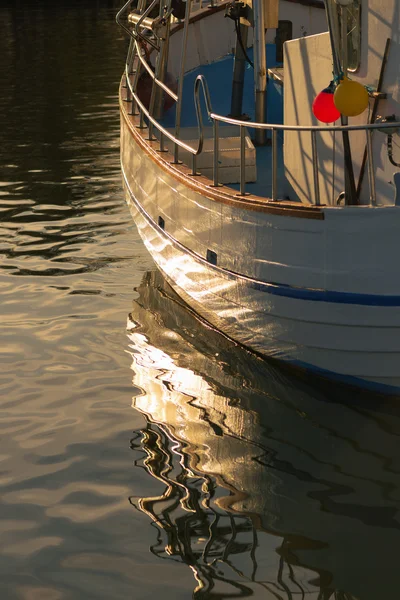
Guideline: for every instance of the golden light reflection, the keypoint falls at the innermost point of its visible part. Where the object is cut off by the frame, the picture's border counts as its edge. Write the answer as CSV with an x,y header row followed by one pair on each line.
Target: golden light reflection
x,y
226,507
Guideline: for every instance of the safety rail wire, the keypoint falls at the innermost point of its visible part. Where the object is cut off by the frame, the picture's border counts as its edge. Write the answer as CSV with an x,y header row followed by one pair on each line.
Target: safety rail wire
x,y
274,128
201,82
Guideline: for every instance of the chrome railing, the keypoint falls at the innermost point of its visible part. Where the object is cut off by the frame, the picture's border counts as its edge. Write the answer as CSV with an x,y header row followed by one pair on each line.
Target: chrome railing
x,y
216,119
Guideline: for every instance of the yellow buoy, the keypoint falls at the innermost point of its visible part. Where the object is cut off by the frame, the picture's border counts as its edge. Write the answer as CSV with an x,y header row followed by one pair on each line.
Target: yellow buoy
x,y
350,98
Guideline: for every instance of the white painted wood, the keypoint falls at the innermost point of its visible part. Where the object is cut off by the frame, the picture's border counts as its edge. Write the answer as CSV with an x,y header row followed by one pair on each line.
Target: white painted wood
x,y
353,250
308,69
351,340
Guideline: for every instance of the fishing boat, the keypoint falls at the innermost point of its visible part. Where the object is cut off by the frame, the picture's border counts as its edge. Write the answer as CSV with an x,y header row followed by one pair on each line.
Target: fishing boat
x,y
278,488
261,162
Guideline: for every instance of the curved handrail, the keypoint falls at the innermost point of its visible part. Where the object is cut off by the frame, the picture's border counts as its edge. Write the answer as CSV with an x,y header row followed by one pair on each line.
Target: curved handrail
x,y
152,74
271,126
162,129
137,34
118,18
201,82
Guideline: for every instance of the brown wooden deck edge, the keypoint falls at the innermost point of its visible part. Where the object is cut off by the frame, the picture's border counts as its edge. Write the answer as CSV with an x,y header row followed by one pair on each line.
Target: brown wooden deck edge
x,y
312,3
200,184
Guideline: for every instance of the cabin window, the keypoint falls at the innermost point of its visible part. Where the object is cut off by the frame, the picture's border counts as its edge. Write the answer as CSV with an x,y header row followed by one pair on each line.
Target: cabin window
x,y
161,222
353,34
284,33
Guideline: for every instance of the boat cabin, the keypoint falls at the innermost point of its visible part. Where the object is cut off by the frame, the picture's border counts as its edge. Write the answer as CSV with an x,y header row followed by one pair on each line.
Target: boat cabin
x,y
266,62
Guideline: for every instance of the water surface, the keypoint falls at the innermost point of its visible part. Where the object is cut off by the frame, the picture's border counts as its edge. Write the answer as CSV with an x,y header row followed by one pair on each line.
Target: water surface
x,y
142,455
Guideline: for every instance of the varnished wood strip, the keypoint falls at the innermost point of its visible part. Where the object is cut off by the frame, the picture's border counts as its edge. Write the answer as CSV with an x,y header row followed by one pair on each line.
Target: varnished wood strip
x,y
201,184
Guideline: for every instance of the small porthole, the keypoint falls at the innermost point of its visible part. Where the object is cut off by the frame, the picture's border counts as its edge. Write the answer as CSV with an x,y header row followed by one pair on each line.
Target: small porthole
x,y
161,222
212,257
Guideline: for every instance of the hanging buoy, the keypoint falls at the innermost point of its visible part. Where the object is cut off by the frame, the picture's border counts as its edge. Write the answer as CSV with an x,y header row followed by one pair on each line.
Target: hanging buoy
x,y
351,98
324,108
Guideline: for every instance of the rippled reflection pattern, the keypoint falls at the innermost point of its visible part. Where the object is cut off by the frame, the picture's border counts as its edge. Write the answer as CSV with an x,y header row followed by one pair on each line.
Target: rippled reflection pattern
x,y
264,486
247,482
69,257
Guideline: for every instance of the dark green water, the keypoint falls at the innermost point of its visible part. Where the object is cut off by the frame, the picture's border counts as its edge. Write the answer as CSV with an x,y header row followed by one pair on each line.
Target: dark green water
x,y
142,456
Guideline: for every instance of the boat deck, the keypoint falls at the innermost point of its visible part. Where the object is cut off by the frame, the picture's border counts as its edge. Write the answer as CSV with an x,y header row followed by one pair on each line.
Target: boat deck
x,y
219,80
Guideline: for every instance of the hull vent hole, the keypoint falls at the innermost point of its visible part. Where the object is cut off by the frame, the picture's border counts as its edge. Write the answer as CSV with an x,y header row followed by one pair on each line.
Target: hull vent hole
x,y
212,257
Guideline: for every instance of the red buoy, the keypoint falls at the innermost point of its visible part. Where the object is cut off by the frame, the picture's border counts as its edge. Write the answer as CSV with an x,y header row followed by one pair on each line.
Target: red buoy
x,y
323,106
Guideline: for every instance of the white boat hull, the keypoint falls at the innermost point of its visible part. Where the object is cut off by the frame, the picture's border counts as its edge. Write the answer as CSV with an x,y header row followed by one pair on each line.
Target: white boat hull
x,y
358,344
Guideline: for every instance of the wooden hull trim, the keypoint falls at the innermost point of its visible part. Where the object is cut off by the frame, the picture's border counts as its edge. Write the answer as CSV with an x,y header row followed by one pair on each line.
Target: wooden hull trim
x,y
203,186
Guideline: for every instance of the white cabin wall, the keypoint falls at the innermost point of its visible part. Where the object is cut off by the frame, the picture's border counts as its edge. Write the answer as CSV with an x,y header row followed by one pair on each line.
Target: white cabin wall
x,y
208,40
212,38
308,69
307,20
381,20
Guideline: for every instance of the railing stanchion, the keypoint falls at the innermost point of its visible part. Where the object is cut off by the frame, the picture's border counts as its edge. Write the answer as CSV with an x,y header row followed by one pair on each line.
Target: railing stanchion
x,y
274,164
216,153
181,78
315,167
194,172
371,174
242,160
162,147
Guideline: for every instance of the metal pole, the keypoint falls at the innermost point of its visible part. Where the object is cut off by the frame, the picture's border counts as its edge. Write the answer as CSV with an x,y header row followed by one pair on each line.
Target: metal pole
x,y
343,19
162,63
260,69
242,161
371,170
181,78
274,164
216,153
315,167
239,70
331,15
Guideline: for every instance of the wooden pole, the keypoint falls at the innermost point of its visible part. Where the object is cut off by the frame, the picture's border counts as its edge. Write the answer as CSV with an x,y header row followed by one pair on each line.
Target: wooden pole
x,y
350,186
373,115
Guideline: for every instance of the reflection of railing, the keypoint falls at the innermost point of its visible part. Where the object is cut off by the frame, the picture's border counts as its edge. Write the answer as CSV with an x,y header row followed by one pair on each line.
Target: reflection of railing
x,y
219,545
144,113
194,530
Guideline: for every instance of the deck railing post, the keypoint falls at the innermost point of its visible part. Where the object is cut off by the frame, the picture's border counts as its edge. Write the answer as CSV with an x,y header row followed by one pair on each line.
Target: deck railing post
x,y
216,153
315,167
371,170
242,160
162,147
274,164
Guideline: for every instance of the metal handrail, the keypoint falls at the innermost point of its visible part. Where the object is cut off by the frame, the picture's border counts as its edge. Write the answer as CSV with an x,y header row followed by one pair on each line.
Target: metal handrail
x,y
152,74
201,82
128,31
164,132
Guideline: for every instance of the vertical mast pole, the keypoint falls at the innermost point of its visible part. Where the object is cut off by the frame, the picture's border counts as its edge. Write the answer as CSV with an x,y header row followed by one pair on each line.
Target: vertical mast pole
x,y
260,69
338,67
239,69
181,78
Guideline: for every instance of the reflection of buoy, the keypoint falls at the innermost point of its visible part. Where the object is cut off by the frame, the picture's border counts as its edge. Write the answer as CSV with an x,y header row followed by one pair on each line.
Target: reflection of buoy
x,y
324,108
351,98
145,85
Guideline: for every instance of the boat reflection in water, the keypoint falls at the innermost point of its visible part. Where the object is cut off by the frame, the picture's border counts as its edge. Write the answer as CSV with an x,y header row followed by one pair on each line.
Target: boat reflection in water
x,y
271,487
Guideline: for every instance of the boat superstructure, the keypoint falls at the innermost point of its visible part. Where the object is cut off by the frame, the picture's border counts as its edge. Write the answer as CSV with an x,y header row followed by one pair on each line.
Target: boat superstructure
x,y
279,231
